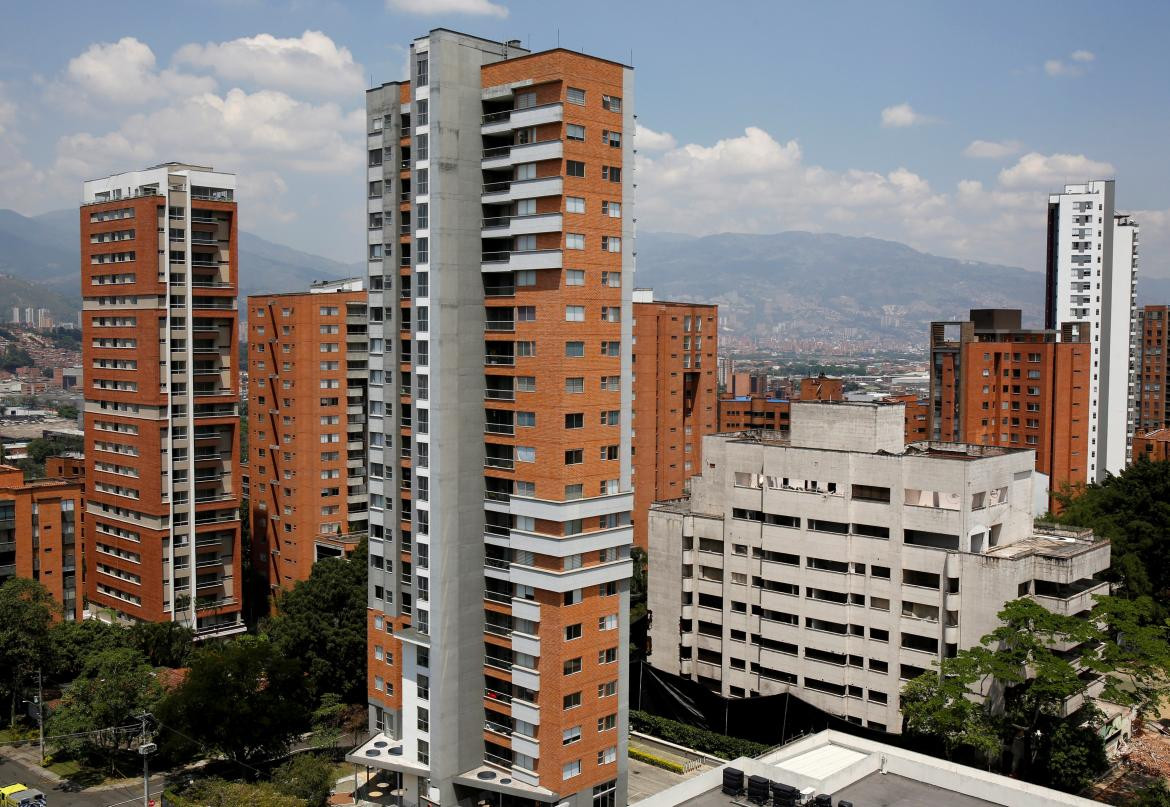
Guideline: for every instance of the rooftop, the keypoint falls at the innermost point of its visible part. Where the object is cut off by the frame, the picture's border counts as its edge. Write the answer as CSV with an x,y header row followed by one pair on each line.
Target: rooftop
x,y
863,772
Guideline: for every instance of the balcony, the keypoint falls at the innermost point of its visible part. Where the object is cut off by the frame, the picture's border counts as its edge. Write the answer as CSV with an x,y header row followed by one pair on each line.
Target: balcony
x,y
507,226
506,429
499,359
511,190
500,597
499,325
513,261
505,156
503,463
509,119
499,394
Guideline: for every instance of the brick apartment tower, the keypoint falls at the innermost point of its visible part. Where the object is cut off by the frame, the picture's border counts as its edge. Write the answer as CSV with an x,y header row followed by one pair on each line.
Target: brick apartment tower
x,y
40,535
1153,381
675,397
306,428
501,264
159,341
994,383
1091,279
763,411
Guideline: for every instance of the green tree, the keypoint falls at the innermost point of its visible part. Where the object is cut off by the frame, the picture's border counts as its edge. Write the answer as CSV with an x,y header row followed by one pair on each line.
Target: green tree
x,y
306,776
165,644
14,356
1073,756
1133,511
322,622
26,615
1155,794
74,642
244,699
218,793
1135,653
67,411
940,705
329,721
114,686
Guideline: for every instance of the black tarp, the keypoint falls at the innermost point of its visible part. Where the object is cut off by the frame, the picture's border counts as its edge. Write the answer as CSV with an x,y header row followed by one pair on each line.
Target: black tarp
x,y
768,719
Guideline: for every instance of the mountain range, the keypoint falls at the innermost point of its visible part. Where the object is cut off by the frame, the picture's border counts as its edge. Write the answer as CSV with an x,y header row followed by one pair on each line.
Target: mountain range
x,y
820,286
40,256
799,285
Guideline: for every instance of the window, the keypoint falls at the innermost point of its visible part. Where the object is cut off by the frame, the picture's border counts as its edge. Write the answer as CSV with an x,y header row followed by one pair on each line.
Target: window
x,y
528,171
574,204
573,492
375,189
574,313
526,277
573,632
421,180
574,420
575,96
607,756
526,383
526,313
611,173
611,313
611,209
571,769
611,417
574,241
420,112
609,452
526,348
607,690
573,168
575,131
574,350
573,666
525,454
607,723
420,72
607,622
613,139
525,418
611,102
570,736
607,656
571,701
575,384
611,243
525,100
574,456
422,214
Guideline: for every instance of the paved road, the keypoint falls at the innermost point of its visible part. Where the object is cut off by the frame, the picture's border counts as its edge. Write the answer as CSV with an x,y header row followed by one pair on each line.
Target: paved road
x,y
12,771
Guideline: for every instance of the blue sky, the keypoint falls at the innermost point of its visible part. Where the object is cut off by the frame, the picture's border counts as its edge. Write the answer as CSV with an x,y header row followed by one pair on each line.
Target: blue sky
x,y
861,118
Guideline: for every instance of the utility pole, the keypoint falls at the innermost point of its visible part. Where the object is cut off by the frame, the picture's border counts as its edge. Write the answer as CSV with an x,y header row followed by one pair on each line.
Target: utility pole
x,y
145,749
41,713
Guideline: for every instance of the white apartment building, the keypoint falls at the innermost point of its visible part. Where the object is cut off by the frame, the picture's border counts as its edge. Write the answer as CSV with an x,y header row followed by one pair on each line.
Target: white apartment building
x,y
1092,278
839,563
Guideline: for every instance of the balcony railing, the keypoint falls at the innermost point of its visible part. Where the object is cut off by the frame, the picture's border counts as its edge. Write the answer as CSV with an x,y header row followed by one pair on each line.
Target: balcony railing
x,y
499,359
499,428
497,596
499,462
500,325
497,563
499,394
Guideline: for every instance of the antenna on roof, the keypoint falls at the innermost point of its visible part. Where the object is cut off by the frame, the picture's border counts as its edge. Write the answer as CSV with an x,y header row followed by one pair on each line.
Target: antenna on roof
x,y
558,37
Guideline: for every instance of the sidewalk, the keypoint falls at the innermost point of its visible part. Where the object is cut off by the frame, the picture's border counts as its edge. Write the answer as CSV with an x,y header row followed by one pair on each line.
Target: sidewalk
x,y
29,755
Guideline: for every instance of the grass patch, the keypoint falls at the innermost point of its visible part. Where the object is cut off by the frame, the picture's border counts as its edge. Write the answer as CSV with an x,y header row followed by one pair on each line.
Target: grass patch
x,y
81,773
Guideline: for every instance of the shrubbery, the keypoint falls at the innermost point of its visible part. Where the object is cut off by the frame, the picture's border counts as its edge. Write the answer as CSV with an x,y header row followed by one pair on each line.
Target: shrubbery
x,y
709,742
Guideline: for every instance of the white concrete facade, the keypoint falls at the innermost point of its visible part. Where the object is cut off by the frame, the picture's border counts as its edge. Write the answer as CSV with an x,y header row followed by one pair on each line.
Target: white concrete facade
x,y
838,574
1092,278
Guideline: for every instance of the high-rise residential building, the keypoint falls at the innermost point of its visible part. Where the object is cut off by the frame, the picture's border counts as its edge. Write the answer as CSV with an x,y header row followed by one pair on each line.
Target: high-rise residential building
x,y
675,397
162,426
1153,371
500,247
1091,279
760,410
838,562
306,428
994,383
41,536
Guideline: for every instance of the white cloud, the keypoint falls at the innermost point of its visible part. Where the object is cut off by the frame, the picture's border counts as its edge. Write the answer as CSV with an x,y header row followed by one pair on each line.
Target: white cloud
x,y
1078,62
310,63
479,8
124,72
7,110
650,140
902,115
992,149
1050,171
